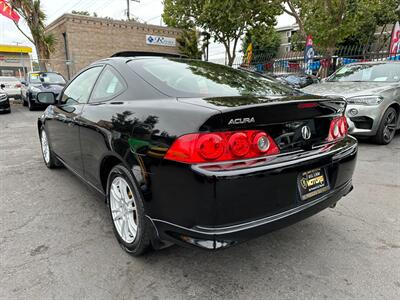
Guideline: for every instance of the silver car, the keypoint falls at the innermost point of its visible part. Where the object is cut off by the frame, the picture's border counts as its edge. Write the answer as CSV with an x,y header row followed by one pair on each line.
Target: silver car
x,y
372,91
12,86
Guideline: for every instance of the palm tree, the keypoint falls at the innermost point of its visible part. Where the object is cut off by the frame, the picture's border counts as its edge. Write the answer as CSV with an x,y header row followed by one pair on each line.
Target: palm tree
x,y
31,11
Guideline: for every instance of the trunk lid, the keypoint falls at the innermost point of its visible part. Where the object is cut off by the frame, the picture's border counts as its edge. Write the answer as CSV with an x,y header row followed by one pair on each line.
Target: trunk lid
x,y
283,118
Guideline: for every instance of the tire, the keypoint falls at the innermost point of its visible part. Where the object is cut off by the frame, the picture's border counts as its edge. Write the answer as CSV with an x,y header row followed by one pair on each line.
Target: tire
x,y
48,156
126,206
30,105
24,103
387,127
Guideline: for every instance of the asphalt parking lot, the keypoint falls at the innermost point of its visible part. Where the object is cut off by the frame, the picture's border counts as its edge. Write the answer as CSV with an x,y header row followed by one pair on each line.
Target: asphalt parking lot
x,y
56,239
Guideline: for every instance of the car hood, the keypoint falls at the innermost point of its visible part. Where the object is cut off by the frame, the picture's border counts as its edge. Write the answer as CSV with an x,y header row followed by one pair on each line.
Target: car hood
x,y
55,88
349,89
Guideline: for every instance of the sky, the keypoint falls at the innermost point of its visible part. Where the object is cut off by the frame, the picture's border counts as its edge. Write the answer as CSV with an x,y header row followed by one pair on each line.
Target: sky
x,y
146,11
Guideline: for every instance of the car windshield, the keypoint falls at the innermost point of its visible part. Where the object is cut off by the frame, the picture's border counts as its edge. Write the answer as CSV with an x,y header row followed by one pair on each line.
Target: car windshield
x,y
384,72
51,78
193,78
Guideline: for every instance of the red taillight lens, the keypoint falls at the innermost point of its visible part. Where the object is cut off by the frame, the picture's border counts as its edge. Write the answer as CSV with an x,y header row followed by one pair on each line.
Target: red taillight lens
x,y
18,85
239,144
338,128
221,146
210,146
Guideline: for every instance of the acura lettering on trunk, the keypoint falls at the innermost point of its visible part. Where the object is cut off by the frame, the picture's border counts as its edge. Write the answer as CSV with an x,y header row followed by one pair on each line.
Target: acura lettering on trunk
x,y
197,154
241,121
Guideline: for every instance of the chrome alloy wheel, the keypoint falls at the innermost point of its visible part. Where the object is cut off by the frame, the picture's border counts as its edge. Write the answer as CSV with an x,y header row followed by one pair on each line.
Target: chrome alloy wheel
x,y
389,126
123,209
45,147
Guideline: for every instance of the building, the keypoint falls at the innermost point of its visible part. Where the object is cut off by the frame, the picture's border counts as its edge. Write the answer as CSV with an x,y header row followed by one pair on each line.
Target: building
x,y
15,60
82,40
285,33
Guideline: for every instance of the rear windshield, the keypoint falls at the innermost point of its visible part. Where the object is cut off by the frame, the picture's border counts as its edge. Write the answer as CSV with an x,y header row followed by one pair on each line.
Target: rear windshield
x,y
8,79
193,78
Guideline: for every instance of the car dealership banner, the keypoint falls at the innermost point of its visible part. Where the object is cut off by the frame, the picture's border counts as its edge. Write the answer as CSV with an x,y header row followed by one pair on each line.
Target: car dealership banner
x,y
308,55
395,40
7,11
160,40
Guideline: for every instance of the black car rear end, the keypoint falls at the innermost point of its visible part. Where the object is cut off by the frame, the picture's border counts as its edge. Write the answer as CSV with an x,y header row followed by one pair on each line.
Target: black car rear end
x,y
240,199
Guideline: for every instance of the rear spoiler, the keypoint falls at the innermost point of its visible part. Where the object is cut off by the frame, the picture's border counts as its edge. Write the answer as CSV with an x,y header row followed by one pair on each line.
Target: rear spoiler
x,y
144,53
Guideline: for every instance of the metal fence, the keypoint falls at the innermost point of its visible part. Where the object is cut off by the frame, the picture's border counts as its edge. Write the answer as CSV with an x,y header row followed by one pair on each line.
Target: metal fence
x,y
325,62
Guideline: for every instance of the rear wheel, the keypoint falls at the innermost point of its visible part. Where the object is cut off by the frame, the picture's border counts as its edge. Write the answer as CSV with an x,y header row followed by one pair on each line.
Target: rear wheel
x,y
127,212
24,103
387,127
48,157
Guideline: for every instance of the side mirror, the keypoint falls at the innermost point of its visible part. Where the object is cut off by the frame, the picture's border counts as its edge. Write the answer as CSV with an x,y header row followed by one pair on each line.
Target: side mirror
x,y
23,82
46,98
2,86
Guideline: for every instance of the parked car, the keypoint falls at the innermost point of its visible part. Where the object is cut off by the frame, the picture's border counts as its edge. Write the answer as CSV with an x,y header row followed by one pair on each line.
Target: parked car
x,y
12,86
195,153
372,90
4,101
297,81
40,82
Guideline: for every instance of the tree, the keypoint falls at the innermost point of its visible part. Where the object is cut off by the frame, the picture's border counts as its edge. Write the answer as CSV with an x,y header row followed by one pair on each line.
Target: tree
x,y
31,11
266,42
188,45
226,20
332,22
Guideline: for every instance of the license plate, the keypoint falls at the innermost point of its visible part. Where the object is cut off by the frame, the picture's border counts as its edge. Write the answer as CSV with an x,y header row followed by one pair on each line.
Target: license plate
x,y
312,183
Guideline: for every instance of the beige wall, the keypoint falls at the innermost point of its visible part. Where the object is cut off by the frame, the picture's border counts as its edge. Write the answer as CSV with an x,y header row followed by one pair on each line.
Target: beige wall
x,y
90,39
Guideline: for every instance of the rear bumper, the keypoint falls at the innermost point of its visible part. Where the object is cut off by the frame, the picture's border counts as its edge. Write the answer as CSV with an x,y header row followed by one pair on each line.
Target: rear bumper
x,y
213,238
5,105
216,208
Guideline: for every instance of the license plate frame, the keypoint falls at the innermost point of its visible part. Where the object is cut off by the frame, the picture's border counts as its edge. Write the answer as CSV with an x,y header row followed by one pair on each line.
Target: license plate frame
x,y
312,183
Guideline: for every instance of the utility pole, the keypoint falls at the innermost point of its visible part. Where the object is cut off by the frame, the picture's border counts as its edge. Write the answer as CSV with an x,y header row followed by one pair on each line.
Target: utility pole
x,y
128,9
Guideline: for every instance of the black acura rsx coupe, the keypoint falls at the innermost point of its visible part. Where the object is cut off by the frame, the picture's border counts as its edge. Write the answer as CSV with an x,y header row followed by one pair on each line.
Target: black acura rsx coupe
x,y
195,153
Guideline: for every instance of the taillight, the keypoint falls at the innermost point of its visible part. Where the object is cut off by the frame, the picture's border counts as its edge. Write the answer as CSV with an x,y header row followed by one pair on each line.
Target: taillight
x,y
18,85
221,146
338,128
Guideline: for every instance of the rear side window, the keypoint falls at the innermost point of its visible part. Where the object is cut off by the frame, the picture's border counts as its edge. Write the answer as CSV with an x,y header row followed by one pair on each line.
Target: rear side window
x,y
109,85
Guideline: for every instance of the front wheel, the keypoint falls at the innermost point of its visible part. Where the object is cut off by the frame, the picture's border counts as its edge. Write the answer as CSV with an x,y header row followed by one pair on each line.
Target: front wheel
x,y
24,103
387,127
30,105
127,212
48,157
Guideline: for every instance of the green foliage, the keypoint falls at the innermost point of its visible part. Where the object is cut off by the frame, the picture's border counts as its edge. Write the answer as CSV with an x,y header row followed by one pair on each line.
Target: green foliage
x,y
333,22
226,20
81,12
297,41
31,12
188,44
265,41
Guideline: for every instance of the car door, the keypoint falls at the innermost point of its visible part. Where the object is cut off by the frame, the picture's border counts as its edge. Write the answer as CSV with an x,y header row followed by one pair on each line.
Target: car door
x,y
101,111
65,126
